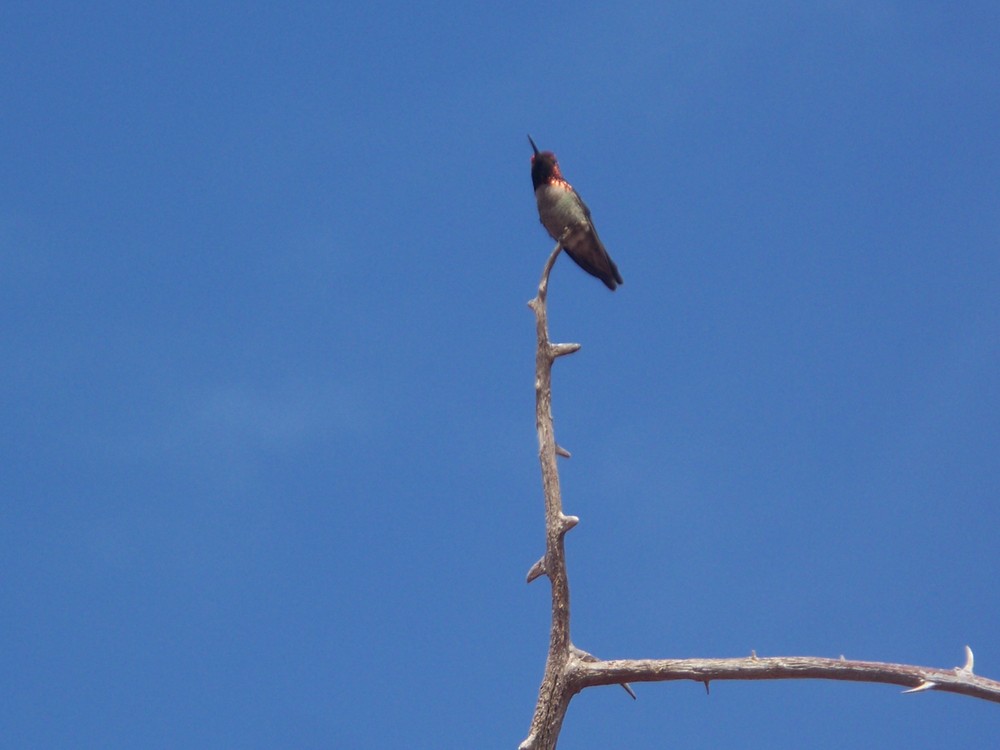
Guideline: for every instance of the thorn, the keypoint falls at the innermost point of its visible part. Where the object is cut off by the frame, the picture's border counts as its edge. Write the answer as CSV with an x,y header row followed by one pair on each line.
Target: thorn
x,y
629,690
561,350
753,654
925,685
567,523
842,658
707,691
969,660
537,570
560,451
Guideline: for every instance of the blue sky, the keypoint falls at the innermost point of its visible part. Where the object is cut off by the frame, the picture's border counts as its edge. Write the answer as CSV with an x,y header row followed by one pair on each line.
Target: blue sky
x,y
269,463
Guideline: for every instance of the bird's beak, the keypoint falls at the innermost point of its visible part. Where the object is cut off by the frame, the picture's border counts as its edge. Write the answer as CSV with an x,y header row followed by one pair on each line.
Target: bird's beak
x,y
533,145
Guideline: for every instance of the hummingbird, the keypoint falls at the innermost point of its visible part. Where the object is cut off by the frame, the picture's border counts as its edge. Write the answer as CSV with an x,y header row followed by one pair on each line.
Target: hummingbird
x,y
567,219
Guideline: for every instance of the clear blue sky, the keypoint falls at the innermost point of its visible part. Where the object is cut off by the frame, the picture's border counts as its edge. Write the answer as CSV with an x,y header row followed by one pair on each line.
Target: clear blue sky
x,y
269,472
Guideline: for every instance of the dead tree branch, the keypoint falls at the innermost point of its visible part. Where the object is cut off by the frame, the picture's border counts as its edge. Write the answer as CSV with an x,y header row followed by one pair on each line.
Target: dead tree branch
x,y
959,680
554,695
568,669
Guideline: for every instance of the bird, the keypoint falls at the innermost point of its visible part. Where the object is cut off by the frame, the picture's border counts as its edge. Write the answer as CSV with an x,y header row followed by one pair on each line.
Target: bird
x,y
567,219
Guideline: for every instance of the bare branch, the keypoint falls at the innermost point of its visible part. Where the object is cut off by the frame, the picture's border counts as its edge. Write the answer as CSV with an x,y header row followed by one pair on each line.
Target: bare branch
x,y
958,680
554,695
568,669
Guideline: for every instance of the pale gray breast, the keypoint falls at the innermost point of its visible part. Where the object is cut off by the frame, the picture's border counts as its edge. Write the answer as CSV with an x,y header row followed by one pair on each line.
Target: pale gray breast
x,y
558,208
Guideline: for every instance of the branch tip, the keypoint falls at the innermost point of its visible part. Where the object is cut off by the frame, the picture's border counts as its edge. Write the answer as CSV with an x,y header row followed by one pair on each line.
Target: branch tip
x,y
543,285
